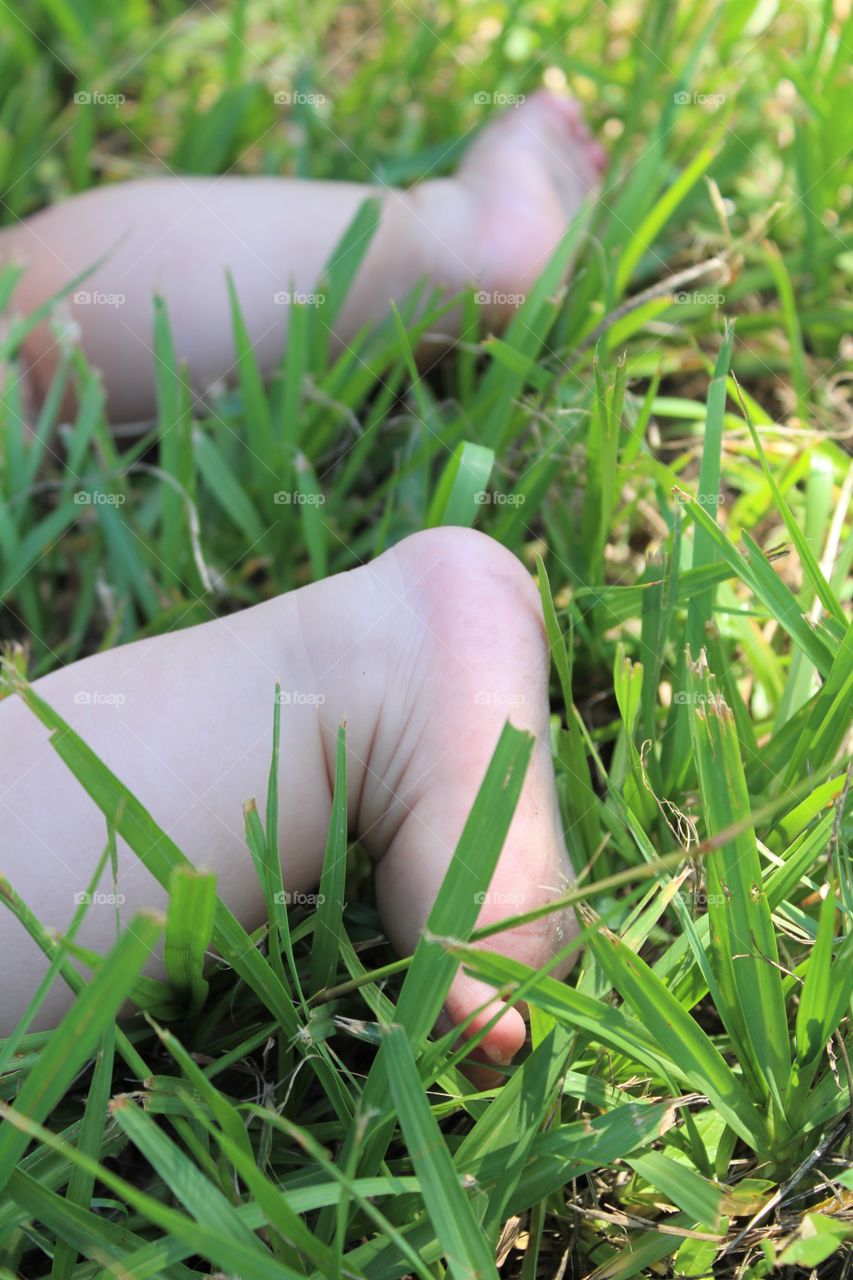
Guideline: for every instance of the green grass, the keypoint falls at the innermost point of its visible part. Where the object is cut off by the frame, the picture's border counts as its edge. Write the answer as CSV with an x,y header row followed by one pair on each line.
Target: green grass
x,y
669,438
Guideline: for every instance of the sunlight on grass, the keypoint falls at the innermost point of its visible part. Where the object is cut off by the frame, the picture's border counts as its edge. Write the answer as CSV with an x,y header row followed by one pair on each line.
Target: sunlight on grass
x,y
665,444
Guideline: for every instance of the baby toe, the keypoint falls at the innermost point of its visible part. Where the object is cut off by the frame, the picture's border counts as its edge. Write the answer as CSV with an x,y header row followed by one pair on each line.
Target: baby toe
x,y
598,156
502,1041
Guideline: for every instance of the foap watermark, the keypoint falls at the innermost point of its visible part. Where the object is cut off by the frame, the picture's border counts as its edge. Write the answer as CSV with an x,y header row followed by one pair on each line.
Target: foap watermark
x,y
288,98
685,698
292,497
487,298
299,698
500,899
97,298
288,298
482,98
684,98
498,698
699,298
484,498
98,498
98,899
83,98
98,698
293,898
704,499
701,898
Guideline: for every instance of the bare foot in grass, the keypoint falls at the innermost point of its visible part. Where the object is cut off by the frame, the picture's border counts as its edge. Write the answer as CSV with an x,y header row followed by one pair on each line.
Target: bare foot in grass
x,y
493,227
529,172
424,654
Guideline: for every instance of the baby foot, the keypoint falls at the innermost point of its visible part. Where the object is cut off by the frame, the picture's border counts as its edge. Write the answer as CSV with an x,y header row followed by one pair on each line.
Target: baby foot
x,y
529,171
424,654
467,651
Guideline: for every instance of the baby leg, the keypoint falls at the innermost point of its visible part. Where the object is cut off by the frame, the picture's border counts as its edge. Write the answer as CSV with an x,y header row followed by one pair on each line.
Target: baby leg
x,y
423,653
493,227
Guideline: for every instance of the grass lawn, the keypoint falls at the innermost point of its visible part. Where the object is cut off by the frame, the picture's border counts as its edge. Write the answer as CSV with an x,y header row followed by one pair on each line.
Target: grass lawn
x,y
666,444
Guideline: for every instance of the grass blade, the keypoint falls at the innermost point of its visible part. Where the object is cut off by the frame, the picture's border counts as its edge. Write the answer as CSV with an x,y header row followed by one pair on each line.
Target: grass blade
x,y
76,1038
189,929
743,939
461,491
454,914
469,1257
81,1184
330,906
